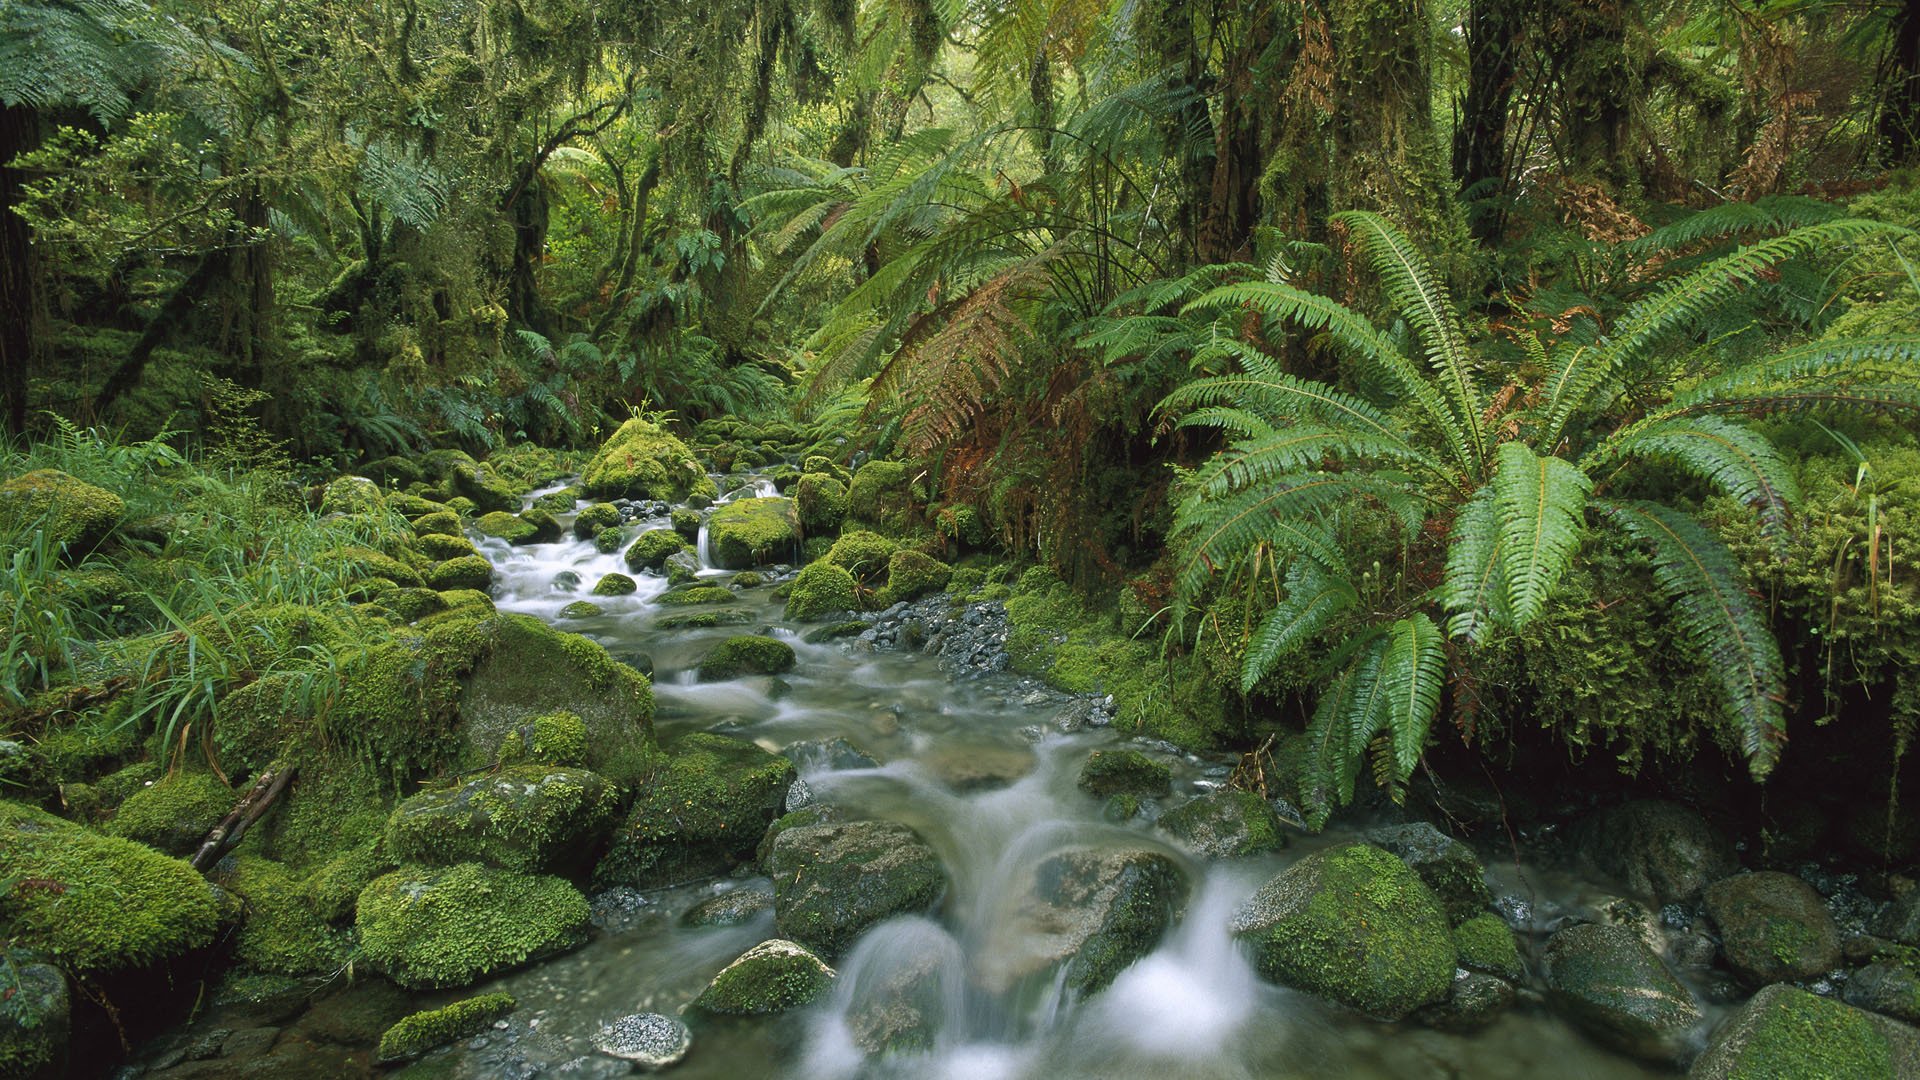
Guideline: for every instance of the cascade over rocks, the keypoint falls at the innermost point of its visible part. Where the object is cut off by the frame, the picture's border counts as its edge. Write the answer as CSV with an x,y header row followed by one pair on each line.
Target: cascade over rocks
x,y
833,880
1094,911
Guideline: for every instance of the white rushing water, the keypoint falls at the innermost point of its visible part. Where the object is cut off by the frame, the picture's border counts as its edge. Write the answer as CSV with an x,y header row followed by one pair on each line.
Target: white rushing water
x,y
960,764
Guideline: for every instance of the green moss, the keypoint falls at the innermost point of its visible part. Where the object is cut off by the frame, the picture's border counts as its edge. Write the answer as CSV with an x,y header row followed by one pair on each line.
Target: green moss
x,y
695,594
608,541
861,553
1485,944
698,814
350,495
911,575
822,588
1785,1033
528,465
449,927
614,585
34,1016
97,903
468,572
523,817
824,466
652,549
555,738
595,518
685,522
442,522
68,510
882,495
747,655
365,563
960,525
462,506
283,931
752,532
505,526
413,507
439,547
821,503
641,461
706,620
546,527
1113,772
557,502
433,1028
771,977
1353,924
175,814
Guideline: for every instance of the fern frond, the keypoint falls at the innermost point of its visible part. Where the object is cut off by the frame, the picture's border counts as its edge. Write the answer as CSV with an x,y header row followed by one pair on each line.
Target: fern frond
x,y
1314,599
1474,591
1540,503
1732,457
1417,294
1413,672
1217,533
1252,461
1366,713
1774,213
1326,739
1721,618
1237,423
1581,371
1817,363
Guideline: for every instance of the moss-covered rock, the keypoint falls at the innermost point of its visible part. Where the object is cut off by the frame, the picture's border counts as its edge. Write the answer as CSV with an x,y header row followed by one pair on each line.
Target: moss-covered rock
x,y
1659,850
284,930
526,817
641,461
1354,924
391,472
1784,1033
707,619
466,572
369,567
531,527
450,926
1608,981
582,609
34,1016
771,977
614,585
595,518
412,507
730,908
746,655
1093,912
1449,867
882,495
1773,927
440,522
831,881
1124,771
461,477
117,904
66,509
439,547
555,738
685,522
1224,825
695,595
1886,987
434,1028
822,588
698,814
350,495
752,532
821,503
825,466
911,575
175,813
1485,944
861,553
652,548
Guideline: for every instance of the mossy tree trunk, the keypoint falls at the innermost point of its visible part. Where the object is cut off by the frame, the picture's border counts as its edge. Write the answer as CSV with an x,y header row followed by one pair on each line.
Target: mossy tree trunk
x,y
1480,140
1900,100
18,125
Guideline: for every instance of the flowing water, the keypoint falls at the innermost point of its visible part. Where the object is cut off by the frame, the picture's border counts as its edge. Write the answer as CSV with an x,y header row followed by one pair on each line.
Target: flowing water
x,y
961,763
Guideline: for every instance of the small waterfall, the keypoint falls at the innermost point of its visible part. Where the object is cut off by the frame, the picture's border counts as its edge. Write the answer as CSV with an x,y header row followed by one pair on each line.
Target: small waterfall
x,y
902,989
703,549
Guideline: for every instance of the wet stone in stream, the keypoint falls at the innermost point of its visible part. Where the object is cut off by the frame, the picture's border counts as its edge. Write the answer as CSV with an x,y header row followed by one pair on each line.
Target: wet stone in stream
x,y
649,1040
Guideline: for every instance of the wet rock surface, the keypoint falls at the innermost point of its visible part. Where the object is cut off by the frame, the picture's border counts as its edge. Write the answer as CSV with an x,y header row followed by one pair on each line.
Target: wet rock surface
x,y
649,1040
831,881
1608,981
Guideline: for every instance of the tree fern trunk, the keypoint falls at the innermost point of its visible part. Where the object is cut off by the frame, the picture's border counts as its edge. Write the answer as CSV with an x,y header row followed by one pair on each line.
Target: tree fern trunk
x,y
1480,140
1900,104
17,128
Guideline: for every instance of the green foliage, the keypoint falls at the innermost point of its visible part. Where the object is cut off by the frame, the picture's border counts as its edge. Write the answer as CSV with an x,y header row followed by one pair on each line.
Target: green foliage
x,y
450,927
432,1028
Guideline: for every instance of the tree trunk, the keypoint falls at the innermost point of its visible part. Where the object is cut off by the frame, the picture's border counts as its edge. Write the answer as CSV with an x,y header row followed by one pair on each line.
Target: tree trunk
x,y
1480,140
528,215
630,256
1597,85
1900,105
1233,196
17,307
171,314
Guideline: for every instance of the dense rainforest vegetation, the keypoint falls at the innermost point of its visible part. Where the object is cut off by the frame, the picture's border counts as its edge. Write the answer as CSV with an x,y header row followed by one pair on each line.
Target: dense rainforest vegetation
x,y
1376,396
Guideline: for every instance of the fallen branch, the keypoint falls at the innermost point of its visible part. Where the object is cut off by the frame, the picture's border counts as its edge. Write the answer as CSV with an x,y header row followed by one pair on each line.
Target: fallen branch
x,y
233,828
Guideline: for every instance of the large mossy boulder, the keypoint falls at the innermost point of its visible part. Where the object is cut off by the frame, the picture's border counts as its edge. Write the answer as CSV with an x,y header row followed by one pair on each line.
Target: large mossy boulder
x,y
534,526
527,817
822,589
651,549
174,813
833,880
861,553
66,509
1607,980
912,575
699,814
771,977
1124,771
1224,825
350,495
526,669
112,905
458,476
1773,927
1354,924
746,655
1659,850
881,495
34,1017
820,502
641,461
753,532
1784,1033
1092,912
1449,867
451,926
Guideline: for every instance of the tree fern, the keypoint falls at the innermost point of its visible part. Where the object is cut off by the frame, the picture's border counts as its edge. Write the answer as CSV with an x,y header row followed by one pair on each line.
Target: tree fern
x,y
1720,617
1539,504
